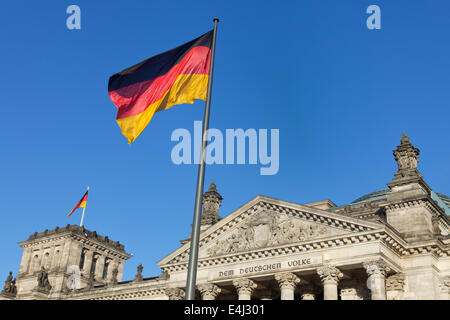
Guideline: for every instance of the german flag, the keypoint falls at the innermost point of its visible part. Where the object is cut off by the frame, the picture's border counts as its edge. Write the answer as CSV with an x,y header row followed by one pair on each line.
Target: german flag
x,y
80,204
176,76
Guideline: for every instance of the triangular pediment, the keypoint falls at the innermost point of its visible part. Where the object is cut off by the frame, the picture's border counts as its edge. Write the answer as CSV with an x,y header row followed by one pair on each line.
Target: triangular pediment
x,y
266,222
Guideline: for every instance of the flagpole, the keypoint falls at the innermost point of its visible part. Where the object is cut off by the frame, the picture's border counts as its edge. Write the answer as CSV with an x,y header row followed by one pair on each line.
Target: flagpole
x,y
84,208
193,254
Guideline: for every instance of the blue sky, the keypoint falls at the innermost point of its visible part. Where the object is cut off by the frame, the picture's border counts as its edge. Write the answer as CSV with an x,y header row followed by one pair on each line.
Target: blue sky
x,y
340,94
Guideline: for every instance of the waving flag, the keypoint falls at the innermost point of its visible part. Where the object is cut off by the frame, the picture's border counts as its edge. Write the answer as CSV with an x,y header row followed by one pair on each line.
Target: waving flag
x,y
81,203
174,77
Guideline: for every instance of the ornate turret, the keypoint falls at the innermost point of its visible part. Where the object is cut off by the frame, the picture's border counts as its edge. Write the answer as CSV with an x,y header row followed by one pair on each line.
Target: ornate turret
x,y
407,157
411,209
212,200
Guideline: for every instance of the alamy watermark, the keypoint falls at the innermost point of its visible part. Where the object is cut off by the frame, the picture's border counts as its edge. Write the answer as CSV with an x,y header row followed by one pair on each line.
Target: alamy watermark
x,y
73,281
187,150
374,20
74,20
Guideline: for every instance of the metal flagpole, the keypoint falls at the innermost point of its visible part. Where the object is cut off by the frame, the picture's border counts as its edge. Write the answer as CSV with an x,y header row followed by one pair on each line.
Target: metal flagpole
x,y
193,254
82,215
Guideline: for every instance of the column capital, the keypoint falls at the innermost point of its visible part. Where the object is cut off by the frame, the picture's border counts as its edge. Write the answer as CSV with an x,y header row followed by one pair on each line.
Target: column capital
x,y
287,280
175,293
244,286
209,289
329,273
376,267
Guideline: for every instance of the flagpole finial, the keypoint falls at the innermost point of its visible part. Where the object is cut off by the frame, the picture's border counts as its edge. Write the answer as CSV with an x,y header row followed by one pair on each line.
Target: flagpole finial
x,y
88,188
216,19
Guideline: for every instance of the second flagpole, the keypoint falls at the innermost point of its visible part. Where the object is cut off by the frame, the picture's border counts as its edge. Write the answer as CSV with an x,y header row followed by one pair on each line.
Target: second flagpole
x,y
193,254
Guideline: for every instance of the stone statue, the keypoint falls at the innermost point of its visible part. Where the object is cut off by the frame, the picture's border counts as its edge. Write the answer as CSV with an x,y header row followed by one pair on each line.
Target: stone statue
x,y
43,283
9,289
407,157
138,276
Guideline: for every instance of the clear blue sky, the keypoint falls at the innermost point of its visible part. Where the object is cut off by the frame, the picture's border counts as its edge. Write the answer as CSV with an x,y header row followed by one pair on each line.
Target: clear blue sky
x,y
340,94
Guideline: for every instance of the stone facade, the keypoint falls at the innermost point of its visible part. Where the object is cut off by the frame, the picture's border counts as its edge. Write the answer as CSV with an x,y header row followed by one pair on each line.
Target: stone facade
x,y
392,244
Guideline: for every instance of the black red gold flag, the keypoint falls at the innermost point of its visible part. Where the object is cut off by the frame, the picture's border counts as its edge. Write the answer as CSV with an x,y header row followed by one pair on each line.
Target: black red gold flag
x,y
81,203
174,77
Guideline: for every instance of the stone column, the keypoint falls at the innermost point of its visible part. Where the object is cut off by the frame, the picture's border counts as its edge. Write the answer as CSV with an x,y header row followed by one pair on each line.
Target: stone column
x,y
287,282
120,268
209,291
395,286
244,288
377,269
87,263
99,267
114,264
175,293
330,276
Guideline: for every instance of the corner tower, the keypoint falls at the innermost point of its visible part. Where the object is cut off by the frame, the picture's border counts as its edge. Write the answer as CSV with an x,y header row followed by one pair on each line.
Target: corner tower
x,y
63,252
411,209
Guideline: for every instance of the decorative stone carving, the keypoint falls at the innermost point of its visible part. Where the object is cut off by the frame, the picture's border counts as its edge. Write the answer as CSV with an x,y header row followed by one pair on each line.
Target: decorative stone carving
x,y
376,267
396,282
395,285
287,280
267,229
328,273
116,245
138,276
407,157
445,288
244,288
330,276
212,200
43,283
175,293
209,291
9,289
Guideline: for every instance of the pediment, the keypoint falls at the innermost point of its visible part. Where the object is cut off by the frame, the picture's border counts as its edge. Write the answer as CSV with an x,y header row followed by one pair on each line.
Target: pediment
x,y
266,222
268,228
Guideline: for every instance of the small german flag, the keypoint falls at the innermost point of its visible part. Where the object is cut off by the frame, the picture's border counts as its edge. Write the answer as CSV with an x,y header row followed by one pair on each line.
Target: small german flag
x,y
80,204
174,77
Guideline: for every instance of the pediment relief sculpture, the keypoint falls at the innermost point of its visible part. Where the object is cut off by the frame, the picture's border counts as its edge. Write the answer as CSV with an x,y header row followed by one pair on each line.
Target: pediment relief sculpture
x,y
268,229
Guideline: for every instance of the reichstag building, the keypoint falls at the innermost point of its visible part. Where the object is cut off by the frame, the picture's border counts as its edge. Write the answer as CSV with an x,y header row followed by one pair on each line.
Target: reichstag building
x,y
391,244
